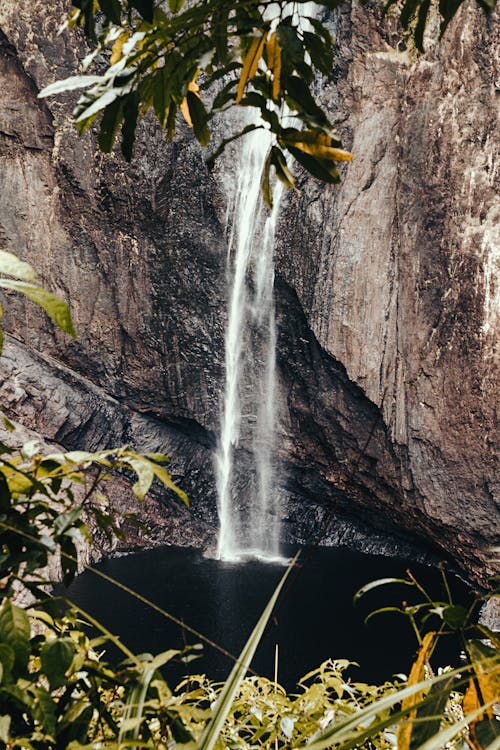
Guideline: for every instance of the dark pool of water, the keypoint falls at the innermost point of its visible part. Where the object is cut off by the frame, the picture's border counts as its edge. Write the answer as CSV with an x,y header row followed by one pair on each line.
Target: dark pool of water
x,y
315,619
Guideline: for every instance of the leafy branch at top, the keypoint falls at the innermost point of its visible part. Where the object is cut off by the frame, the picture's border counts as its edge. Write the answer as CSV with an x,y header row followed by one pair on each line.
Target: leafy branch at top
x,y
203,58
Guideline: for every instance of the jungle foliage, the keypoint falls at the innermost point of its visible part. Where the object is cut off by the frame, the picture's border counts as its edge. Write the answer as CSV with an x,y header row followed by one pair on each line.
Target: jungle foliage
x,y
204,57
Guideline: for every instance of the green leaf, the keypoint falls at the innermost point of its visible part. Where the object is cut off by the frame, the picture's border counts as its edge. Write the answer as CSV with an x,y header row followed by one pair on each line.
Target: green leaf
x,y
44,710
130,114
232,684
265,183
8,424
320,52
7,659
110,125
111,9
53,306
455,616
175,6
145,476
12,266
302,99
161,95
75,723
319,168
15,632
56,657
379,582
145,8
418,34
199,118
407,12
487,732
248,129
69,84
429,716
282,172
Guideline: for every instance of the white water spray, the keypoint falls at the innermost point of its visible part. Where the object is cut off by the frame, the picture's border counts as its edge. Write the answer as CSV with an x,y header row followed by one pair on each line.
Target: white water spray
x,y
249,526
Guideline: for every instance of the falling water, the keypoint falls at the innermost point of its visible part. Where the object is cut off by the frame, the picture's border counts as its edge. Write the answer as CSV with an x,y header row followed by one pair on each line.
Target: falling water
x,y
249,525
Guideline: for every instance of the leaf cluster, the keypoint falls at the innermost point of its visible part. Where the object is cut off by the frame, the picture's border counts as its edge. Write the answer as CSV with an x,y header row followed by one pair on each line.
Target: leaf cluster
x,y
47,500
202,58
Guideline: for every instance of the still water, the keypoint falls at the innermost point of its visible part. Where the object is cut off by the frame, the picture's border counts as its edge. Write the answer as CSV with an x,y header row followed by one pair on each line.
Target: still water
x,y
315,618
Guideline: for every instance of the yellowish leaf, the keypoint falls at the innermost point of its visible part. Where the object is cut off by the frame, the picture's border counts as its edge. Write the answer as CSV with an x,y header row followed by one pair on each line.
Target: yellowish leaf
x,y
273,51
417,674
250,64
116,50
192,86
323,152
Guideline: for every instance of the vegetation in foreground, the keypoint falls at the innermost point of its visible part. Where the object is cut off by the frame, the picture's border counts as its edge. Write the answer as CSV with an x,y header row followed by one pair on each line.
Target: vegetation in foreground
x,y
58,690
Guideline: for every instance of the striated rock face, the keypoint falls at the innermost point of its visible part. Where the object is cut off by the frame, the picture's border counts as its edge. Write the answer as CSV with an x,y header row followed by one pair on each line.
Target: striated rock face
x,y
386,291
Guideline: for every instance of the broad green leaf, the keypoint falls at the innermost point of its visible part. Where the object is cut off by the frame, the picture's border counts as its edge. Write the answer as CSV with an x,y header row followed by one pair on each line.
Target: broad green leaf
x,y
198,115
69,84
53,306
15,632
455,616
233,682
321,53
75,723
12,266
56,657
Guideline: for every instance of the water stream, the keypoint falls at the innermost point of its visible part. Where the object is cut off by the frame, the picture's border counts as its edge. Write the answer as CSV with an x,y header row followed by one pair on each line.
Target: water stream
x,y
250,519
249,527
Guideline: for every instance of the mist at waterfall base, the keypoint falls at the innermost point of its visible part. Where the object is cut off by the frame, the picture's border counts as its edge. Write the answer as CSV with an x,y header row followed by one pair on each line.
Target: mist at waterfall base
x,y
315,618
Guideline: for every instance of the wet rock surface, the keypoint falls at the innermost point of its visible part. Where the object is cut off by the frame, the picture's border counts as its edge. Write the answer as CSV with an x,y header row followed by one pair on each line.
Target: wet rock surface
x,y
385,292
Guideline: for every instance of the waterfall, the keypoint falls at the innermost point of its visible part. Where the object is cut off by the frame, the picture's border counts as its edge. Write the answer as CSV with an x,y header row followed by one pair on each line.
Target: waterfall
x,y
249,526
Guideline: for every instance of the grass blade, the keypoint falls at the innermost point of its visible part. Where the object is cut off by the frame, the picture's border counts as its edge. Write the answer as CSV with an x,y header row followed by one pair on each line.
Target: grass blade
x,y
232,684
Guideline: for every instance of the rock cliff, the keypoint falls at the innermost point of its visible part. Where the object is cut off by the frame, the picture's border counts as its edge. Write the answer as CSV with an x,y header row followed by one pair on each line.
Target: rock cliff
x,y
386,292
